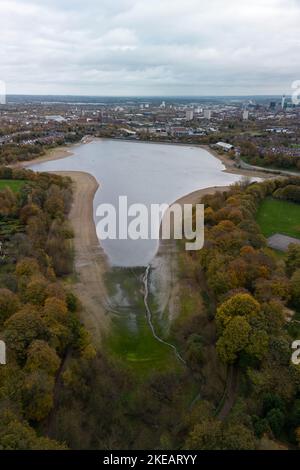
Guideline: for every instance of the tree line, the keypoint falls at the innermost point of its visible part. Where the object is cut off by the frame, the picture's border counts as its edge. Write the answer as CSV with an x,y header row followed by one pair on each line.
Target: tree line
x,y
39,319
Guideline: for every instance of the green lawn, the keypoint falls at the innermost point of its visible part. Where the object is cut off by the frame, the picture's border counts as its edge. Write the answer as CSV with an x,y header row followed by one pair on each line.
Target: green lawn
x,y
14,185
275,216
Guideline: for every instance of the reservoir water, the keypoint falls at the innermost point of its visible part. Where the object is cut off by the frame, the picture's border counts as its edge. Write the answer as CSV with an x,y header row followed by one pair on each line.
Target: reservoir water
x,y
145,173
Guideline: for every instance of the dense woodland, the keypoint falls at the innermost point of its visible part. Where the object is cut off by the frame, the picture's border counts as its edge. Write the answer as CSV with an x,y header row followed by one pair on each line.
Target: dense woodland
x,y
233,331
38,314
250,295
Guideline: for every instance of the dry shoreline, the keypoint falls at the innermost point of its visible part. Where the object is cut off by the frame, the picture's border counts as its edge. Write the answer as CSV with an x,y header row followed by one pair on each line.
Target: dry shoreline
x,y
51,154
90,260
165,262
231,168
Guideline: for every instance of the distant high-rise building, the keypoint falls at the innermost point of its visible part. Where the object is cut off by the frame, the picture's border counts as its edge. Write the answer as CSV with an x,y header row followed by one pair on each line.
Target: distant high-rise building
x,y
207,114
189,115
245,115
272,104
283,102
163,105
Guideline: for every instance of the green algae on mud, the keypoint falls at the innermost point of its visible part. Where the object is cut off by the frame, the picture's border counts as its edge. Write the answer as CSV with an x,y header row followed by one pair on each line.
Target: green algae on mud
x,y
131,339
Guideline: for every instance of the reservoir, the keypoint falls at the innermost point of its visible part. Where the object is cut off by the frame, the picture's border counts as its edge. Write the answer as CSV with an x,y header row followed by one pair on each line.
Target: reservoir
x,y
146,174
139,280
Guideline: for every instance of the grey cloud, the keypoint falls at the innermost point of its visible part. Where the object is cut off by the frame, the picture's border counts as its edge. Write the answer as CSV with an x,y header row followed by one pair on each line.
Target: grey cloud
x,y
149,47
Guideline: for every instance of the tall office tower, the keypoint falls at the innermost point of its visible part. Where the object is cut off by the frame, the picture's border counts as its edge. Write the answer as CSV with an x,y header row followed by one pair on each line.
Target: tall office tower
x,y
245,115
189,114
207,114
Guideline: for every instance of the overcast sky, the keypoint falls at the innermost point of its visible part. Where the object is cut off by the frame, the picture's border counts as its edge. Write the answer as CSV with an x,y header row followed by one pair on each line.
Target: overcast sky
x,y
149,47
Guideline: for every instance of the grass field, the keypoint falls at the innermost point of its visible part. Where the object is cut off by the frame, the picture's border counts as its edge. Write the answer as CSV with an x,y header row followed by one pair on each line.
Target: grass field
x,y
276,216
14,185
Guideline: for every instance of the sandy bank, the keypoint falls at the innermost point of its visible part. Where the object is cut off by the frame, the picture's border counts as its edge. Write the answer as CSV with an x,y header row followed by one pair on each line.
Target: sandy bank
x,y
90,259
165,267
51,154
231,168
195,196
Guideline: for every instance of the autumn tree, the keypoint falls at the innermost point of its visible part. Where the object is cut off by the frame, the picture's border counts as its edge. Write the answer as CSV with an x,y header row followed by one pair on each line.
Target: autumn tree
x,y
8,202
18,435
22,328
36,290
27,267
242,305
295,288
41,356
37,231
236,324
293,259
206,435
212,434
9,304
37,394
54,204
61,253
55,309
234,339
28,211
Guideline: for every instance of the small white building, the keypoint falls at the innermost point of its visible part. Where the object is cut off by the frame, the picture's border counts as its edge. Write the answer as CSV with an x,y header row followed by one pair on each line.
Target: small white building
x,y
224,146
127,131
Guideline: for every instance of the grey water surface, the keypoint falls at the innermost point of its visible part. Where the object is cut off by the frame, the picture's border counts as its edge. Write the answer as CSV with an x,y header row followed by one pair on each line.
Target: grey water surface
x,y
146,174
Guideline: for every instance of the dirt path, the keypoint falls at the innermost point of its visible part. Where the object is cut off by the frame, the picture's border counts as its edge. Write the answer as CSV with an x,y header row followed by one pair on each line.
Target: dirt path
x,y
230,394
90,260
